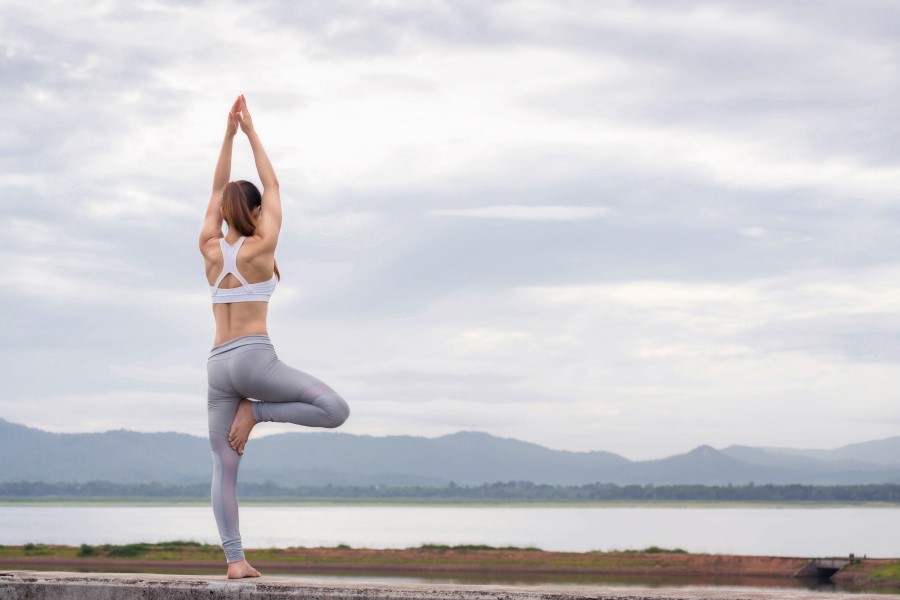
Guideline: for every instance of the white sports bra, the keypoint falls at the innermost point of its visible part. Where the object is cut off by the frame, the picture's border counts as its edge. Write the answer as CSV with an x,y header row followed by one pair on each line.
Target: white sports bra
x,y
248,292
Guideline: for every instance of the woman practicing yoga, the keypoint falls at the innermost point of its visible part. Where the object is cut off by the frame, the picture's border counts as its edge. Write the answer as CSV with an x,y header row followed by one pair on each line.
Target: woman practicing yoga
x,y
242,364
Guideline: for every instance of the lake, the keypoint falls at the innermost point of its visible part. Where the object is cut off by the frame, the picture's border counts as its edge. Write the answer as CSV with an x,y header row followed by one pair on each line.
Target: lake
x,y
775,531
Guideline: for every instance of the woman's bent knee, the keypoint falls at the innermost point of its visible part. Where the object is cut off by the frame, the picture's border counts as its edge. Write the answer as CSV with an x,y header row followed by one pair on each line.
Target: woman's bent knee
x,y
336,407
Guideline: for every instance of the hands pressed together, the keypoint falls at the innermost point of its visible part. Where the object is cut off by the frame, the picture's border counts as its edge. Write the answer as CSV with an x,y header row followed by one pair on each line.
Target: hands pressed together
x,y
239,115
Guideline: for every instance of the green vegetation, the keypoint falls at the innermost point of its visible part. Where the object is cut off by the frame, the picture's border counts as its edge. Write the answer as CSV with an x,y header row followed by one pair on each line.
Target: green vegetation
x,y
465,547
127,551
647,550
464,556
189,547
180,545
469,558
658,550
170,550
36,550
500,493
889,572
877,575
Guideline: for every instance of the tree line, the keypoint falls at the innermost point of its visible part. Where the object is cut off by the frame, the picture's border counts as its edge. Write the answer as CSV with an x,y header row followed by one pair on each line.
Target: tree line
x,y
509,491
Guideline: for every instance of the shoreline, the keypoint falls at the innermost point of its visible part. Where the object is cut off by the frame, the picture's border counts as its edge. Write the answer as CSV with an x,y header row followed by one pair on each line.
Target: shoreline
x,y
38,584
656,564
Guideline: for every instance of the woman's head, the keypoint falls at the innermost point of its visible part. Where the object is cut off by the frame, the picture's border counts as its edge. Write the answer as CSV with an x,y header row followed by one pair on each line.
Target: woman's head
x,y
241,205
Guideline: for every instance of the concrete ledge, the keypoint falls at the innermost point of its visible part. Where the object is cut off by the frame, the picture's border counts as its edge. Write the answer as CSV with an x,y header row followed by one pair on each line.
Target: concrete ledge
x,y
38,585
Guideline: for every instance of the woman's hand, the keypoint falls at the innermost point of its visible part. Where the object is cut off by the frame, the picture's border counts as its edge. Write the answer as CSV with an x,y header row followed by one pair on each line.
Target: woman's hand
x,y
231,128
243,115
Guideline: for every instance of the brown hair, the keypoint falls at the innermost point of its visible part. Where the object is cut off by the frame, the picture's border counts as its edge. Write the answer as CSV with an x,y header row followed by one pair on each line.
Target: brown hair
x,y
238,203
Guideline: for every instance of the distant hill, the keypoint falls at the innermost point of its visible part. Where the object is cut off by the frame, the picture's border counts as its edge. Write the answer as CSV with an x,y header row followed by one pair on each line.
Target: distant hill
x,y
878,452
466,458
799,459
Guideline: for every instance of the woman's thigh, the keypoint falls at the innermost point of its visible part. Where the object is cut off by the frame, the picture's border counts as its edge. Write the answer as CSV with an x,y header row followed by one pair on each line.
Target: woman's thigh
x,y
221,398
261,375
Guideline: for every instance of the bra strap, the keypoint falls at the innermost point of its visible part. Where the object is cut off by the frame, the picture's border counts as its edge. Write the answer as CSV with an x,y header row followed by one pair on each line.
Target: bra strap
x,y
229,264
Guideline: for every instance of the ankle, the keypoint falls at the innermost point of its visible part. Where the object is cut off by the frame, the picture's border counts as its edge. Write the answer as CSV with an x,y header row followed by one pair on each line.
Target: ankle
x,y
256,418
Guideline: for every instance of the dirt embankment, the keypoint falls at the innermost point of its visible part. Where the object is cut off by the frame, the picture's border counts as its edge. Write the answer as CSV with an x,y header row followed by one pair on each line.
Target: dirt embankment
x,y
320,559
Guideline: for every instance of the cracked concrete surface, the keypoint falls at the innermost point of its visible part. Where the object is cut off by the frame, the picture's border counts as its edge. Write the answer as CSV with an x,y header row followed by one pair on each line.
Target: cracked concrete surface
x,y
37,585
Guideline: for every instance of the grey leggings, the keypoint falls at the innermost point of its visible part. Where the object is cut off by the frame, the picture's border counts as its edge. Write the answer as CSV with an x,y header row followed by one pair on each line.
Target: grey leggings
x,y
247,367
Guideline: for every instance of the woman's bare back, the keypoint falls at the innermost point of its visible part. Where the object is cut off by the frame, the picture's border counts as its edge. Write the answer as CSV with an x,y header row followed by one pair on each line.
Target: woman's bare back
x,y
256,263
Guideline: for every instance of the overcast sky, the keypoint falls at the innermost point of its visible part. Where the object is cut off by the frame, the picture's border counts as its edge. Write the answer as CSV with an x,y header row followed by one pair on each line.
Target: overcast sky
x,y
626,226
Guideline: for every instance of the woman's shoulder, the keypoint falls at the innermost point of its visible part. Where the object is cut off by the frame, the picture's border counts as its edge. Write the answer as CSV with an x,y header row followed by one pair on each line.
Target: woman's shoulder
x,y
210,247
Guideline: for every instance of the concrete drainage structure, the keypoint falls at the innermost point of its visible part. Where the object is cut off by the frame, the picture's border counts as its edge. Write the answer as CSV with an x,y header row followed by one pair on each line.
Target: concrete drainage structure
x,y
39,585
823,568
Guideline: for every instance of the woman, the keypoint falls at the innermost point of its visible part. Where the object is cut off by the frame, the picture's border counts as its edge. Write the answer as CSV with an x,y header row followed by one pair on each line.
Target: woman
x,y
242,274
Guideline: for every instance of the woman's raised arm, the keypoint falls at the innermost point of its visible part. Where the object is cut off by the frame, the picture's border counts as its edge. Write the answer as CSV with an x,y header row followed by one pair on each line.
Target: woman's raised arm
x,y
270,220
212,222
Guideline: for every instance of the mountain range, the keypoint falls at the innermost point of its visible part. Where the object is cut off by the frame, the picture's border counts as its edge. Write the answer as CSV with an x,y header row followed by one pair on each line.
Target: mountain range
x,y
465,458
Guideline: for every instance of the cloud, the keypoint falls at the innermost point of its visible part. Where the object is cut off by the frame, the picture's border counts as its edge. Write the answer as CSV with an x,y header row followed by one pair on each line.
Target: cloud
x,y
703,201
526,213
753,231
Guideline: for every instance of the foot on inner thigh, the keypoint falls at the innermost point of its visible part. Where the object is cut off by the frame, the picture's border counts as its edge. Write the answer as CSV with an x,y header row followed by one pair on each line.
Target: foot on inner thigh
x,y
241,568
240,428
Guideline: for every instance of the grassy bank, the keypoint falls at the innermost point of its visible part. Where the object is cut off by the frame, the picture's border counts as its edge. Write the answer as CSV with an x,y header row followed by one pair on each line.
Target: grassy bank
x,y
431,555
651,563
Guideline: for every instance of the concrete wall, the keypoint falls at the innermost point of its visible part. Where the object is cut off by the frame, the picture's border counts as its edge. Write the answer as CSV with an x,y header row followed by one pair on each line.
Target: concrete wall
x,y
38,585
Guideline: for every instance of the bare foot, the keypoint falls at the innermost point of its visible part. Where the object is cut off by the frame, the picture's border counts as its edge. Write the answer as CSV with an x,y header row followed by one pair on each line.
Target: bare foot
x,y
241,426
241,568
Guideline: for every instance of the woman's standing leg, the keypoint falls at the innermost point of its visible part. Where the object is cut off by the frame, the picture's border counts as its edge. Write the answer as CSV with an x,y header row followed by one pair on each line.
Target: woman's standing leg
x,y
223,495
222,403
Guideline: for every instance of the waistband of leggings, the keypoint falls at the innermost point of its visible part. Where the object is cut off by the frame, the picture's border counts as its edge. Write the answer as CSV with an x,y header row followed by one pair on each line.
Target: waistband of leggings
x,y
244,340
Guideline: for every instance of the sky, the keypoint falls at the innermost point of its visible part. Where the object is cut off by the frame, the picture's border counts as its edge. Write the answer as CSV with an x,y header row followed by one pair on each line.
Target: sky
x,y
635,226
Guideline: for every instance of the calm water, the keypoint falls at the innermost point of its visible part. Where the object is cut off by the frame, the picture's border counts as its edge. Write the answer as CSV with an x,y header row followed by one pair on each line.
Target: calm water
x,y
802,532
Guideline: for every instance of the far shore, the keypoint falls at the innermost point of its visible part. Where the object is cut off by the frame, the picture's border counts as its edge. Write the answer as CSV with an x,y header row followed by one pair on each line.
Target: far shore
x,y
440,502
